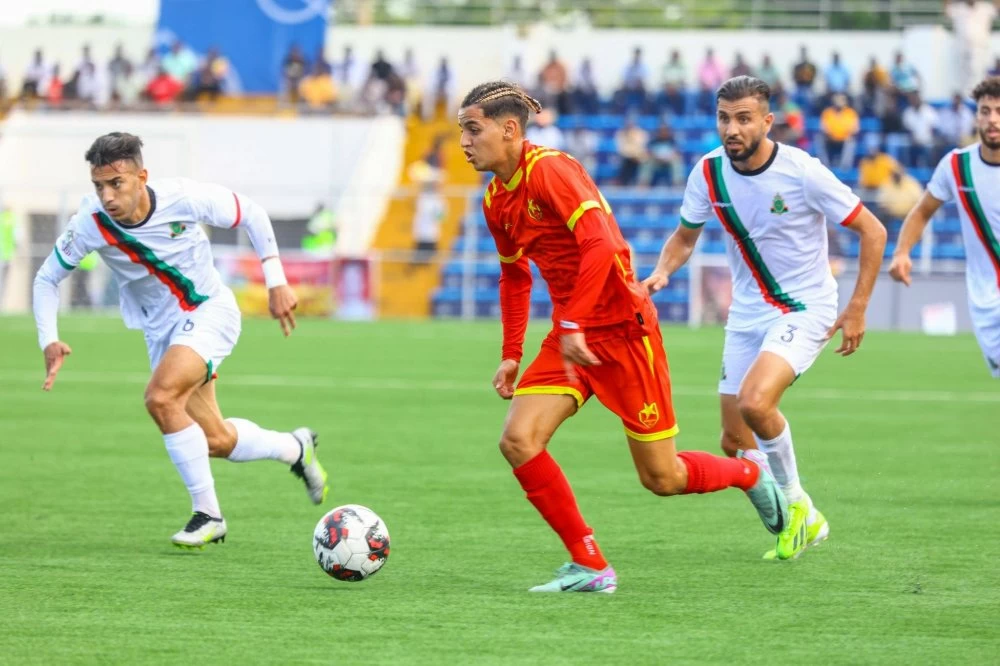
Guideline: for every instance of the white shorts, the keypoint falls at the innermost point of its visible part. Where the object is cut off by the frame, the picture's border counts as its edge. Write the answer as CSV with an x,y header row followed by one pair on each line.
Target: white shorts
x,y
797,337
211,331
987,329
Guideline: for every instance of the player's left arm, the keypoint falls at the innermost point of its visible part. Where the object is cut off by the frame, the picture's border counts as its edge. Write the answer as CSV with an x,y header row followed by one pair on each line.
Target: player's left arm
x,y
836,201
576,201
221,207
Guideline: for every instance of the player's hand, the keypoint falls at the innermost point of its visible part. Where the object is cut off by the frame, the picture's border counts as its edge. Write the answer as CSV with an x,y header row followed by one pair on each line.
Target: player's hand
x,y
851,323
503,380
55,354
575,350
282,303
900,268
655,282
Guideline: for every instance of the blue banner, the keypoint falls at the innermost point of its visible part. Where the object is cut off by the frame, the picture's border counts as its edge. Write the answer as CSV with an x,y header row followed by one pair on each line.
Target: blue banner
x,y
253,35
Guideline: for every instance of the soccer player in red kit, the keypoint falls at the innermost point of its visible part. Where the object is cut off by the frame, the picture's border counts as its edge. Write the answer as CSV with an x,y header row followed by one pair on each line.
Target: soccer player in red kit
x,y
542,205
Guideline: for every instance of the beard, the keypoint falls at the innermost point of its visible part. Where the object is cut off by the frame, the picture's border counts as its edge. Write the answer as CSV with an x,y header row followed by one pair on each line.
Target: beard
x,y
992,145
744,154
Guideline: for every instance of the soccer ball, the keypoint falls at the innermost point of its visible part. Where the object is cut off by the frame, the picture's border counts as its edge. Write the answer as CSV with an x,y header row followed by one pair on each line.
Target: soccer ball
x,y
351,542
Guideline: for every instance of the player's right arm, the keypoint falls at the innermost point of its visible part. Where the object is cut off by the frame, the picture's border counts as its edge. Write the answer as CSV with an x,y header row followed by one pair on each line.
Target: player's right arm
x,y
70,248
696,209
515,305
939,190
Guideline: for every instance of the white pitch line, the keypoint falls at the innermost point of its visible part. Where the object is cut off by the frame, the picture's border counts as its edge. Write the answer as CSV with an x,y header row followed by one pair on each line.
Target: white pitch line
x,y
444,385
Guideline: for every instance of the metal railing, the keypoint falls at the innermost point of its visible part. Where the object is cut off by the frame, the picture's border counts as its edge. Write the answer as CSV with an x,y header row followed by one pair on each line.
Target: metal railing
x,y
735,14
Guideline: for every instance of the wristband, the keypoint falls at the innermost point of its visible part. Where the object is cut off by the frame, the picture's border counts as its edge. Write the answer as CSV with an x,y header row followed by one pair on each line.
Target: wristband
x,y
274,274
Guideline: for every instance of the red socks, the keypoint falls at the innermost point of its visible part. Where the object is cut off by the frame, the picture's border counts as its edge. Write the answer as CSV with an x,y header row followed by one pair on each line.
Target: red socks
x,y
708,473
548,490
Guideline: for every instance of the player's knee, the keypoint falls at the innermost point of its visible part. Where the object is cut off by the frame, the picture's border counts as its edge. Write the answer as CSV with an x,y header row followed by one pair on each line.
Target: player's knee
x,y
159,403
220,443
519,445
753,405
663,483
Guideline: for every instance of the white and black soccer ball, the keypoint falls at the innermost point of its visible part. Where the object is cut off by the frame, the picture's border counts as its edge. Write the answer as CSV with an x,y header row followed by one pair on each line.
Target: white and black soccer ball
x,y
351,542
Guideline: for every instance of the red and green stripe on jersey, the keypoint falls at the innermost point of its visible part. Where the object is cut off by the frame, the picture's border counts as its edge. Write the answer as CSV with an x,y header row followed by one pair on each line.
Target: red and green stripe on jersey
x,y
961,166
181,287
726,212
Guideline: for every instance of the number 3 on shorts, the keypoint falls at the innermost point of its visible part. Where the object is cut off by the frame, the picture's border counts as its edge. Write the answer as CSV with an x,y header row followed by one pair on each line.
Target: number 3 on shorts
x,y
789,334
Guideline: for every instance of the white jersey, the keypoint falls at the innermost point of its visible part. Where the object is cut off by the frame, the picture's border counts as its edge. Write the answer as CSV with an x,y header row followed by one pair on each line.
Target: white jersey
x,y
163,265
962,176
775,219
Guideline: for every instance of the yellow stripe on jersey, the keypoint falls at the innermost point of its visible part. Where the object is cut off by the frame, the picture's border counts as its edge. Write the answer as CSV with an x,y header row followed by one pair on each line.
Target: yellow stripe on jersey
x,y
514,181
488,196
578,213
534,160
604,202
510,260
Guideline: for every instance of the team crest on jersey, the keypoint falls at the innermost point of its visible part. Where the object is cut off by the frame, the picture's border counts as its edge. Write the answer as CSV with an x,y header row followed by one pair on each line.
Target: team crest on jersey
x,y
649,415
534,210
68,241
778,206
176,229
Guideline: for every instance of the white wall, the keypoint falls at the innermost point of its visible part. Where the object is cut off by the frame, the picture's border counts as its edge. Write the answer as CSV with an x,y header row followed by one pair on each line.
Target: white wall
x,y
479,53
286,165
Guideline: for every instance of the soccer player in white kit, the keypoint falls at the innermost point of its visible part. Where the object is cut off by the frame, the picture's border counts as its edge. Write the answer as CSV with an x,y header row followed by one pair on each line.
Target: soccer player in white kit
x,y
773,200
971,177
148,234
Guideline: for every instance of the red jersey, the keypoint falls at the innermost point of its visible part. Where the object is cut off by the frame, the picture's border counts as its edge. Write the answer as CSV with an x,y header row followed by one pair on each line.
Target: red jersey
x,y
552,212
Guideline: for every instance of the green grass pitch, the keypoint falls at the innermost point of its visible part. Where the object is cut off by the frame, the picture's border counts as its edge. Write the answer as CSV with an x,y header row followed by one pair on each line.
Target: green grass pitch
x,y
897,445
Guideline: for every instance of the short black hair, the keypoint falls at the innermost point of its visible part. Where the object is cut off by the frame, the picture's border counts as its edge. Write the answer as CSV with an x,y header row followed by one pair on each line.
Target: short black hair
x,y
988,87
741,87
502,98
115,147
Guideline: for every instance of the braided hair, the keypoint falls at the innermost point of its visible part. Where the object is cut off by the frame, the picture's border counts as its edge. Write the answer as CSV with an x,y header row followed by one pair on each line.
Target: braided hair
x,y
502,98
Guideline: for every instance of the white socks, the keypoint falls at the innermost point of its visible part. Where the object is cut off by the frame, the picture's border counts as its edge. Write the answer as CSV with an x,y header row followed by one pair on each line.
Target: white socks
x,y
188,449
256,443
781,457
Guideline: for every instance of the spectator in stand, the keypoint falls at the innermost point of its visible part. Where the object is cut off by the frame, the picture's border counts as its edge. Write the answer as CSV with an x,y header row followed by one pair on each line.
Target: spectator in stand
x,y
441,90
318,89
920,119
89,90
431,209
670,99
956,125
711,74
129,87
517,74
552,83
793,118
410,73
898,195
840,125
875,91
164,89
375,93
584,95
666,162
180,63
54,87
838,77
631,97
768,73
876,169
85,59
35,78
382,69
116,69
544,131
740,68
293,70
804,77
631,141
905,78
674,73
209,79
582,143
149,68
995,69
972,23
349,75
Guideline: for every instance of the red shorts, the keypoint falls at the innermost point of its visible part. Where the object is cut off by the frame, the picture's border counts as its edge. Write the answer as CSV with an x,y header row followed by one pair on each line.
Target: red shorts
x,y
632,381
